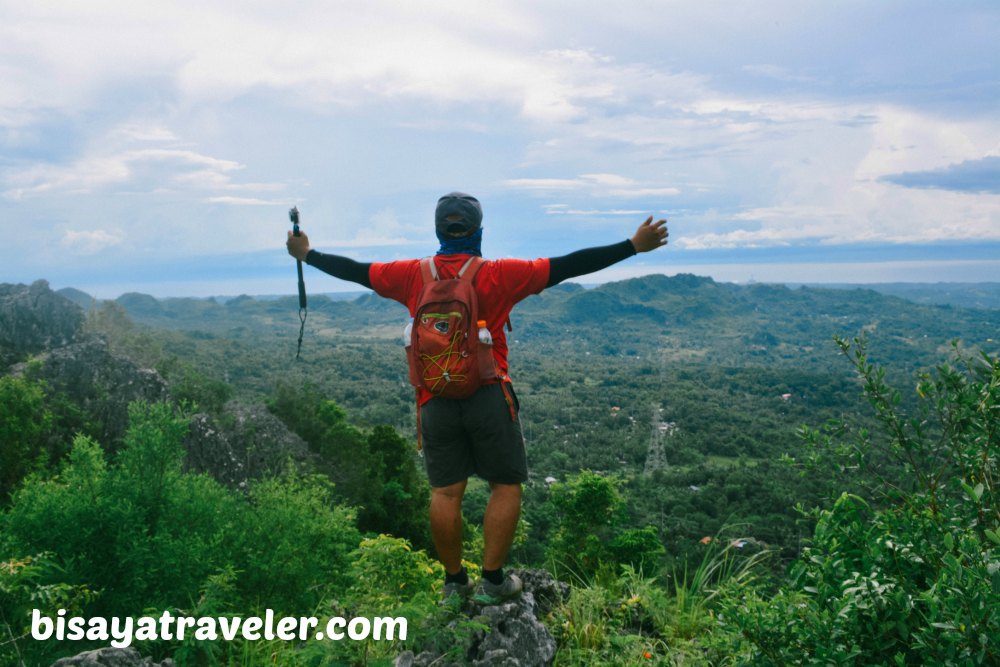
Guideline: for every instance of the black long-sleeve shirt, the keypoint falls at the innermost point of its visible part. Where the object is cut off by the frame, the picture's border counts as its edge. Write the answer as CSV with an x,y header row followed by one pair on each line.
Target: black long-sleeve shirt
x,y
579,263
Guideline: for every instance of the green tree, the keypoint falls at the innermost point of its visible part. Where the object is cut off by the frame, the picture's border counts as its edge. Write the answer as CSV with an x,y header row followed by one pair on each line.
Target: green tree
x,y
24,424
190,387
341,447
587,506
139,533
374,471
293,543
397,494
590,528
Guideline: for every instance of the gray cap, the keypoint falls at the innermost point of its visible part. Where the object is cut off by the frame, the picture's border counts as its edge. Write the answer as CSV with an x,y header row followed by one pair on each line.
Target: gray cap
x,y
458,204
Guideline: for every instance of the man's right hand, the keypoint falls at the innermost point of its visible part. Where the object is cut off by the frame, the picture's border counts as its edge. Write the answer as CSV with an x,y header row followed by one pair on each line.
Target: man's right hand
x,y
650,235
298,246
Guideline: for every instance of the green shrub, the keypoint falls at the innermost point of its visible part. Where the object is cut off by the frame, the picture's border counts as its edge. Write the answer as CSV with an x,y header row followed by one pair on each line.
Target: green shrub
x,y
911,577
30,583
373,471
589,532
139,535
139,532
292,544
24,425
391,579
190,387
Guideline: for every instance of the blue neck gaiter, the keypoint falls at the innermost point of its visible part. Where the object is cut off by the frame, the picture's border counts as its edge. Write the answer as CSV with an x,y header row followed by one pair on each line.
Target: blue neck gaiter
x,y
463,245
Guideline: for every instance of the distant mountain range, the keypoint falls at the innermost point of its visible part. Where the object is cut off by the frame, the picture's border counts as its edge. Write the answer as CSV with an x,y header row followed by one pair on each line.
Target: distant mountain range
x,y
964,295
684,317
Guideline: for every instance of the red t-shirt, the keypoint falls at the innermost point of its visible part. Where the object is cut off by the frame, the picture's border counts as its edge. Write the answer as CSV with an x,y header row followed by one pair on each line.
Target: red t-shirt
x,y
499,284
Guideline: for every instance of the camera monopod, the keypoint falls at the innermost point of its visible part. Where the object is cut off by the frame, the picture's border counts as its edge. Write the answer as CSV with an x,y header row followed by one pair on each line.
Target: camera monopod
x,y
293,215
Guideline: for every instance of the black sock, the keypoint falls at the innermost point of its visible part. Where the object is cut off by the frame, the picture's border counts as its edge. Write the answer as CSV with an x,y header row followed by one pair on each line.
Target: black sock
x,y
460,577
495,577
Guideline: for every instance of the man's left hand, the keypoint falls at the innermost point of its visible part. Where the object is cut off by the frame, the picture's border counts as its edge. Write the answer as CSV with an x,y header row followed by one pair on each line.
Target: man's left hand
x,y
650,235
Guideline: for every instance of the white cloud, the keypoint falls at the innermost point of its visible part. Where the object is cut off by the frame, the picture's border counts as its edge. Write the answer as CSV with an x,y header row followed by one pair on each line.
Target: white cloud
x,y
778,72
134,157
90,242
243,201
907,140
142,132
315,54
382,229
643,192
544,183
127,167
869,213
563,209
608,185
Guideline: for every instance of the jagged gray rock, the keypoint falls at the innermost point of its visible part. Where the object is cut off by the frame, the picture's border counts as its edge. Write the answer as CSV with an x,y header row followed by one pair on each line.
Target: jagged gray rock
x,y
111,657
33,318
549,592
246,443
516,637
100,382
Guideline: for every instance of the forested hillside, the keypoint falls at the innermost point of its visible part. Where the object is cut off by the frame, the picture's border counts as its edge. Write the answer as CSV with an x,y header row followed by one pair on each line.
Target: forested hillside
x,y
724,429
735,370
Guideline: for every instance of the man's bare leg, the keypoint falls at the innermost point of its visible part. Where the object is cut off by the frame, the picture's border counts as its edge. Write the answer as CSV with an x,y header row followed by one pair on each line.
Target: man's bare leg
x,y
446,524
499,523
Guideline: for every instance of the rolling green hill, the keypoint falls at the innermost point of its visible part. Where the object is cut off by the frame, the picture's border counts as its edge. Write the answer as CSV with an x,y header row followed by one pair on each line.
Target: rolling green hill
x,y
717,357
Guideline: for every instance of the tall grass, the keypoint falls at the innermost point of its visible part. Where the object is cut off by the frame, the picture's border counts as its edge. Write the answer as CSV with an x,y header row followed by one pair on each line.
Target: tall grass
x,y
629,618
721,568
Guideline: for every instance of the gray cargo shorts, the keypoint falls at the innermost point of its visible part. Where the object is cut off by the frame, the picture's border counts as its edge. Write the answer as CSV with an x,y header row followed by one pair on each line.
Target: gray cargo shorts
x,y
480,435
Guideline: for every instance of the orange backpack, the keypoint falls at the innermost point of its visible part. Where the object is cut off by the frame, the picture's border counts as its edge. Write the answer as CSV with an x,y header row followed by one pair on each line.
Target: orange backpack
x,y
445,354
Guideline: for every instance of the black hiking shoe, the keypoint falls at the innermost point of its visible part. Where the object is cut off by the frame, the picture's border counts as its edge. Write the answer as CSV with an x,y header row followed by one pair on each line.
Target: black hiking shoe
x,y
461,591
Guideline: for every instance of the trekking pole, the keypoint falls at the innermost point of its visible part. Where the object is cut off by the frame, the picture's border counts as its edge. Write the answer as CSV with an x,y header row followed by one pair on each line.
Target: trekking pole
x,y
293,215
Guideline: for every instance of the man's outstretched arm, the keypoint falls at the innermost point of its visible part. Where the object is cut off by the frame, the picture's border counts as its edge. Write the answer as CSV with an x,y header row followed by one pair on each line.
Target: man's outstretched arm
x,y
648,237
335,265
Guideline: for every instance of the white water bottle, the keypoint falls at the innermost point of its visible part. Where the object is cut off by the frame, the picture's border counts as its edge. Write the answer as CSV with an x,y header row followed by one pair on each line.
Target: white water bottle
x,y
485,338
487,366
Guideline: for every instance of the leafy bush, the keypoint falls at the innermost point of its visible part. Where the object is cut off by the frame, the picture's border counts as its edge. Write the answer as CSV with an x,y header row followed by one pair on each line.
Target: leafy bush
x,y
292,544
590,533
29,583
913,576
397,495
140,534
190,387
24,425
391,579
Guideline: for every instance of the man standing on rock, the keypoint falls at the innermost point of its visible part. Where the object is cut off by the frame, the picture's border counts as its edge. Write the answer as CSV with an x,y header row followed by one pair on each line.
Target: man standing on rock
x,y
480,434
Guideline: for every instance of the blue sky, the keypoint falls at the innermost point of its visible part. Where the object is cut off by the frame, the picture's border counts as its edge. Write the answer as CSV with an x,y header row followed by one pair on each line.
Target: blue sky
x,y
157,146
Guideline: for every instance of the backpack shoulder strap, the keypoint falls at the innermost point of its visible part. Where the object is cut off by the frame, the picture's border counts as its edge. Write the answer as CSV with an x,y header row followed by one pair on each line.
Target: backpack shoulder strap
x,y
470,268
428,270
